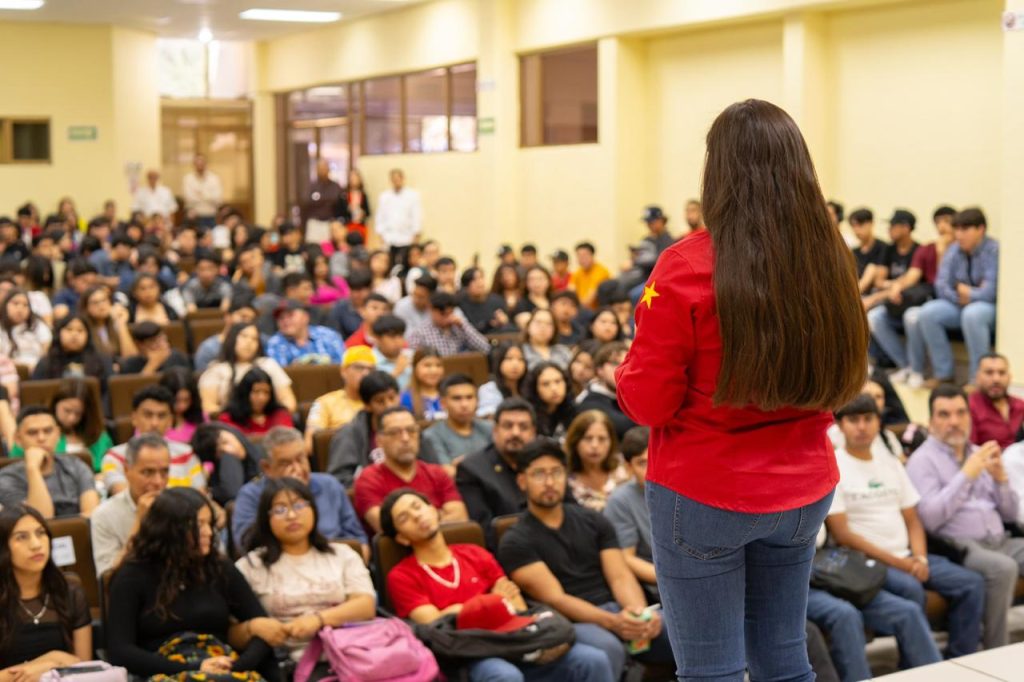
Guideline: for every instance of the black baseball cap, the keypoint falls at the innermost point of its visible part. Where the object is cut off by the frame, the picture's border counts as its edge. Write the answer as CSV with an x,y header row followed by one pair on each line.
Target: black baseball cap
x,y
652,213
560,255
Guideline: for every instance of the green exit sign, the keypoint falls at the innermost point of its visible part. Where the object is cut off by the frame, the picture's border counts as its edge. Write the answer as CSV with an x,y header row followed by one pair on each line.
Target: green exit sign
x,y
79,133
485,126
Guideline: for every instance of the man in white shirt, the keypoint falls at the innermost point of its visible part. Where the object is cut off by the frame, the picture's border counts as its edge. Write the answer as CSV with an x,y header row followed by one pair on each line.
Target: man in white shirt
x,y
399,214
154,197
203,193
875,511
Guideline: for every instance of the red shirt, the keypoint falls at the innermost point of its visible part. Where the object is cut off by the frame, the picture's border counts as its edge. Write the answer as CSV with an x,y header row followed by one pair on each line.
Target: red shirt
x,y
926,259
560,282
376,481
987,422
742,459
411,587
251,428
358,338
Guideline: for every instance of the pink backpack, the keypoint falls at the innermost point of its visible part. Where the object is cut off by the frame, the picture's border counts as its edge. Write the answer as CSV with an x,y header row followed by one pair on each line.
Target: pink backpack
x,y
380,650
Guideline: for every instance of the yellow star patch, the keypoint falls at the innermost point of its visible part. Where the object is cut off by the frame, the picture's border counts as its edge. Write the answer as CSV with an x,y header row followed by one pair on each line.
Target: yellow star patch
x,y
649,295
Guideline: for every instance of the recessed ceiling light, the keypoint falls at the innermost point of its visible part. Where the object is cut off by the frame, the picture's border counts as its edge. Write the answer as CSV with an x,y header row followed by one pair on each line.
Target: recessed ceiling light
x,y
205,35
21,4
303,16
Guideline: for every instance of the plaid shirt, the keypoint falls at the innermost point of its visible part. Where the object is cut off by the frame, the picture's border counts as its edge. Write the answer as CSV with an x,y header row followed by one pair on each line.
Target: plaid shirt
x,y
458,338
323,348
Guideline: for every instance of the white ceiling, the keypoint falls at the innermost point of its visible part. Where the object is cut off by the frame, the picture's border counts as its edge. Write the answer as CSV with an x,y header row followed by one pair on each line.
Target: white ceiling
x,y
184,18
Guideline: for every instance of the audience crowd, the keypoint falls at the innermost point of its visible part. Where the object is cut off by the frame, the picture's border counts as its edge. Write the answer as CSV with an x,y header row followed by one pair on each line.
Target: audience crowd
x,y
233,515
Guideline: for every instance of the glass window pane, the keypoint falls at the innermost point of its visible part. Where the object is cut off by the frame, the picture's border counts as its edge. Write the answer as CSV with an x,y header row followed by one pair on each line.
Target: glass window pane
x,y
328,101
334,148
463,121
383,116
30,141
426,107
301,164
558,97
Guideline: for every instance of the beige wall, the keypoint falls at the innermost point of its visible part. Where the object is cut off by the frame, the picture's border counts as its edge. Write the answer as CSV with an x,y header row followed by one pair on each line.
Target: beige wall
x,y
79,75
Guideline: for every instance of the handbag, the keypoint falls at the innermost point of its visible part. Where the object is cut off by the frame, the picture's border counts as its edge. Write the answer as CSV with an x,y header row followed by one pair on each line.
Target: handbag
x,y
192,648
848,574
379,650
86,671
912,297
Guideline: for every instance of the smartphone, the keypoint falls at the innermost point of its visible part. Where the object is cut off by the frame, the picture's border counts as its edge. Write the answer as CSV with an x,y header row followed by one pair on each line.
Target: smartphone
x,y
79,669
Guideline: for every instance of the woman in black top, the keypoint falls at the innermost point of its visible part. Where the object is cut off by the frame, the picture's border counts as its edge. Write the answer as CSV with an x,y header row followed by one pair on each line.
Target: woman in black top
x,y
172,581
44,620
73,354
548,389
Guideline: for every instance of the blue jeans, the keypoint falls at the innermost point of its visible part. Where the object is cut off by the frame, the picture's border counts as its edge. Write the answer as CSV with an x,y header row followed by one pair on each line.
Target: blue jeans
x,y
608,642
845,627
734,586
893,616
885,329
965,591
581,663
976,321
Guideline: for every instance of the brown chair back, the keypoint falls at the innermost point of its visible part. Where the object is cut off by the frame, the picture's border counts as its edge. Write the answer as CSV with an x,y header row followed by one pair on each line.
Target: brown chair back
x,y
321,447
309,382
388,552
352,544
176,336
122,388
500,524
77,528
206,314
41,392
474,365
24,373
202,328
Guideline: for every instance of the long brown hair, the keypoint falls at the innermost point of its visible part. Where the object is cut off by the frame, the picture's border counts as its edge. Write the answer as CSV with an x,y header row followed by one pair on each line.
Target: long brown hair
x,y
793,328
578,429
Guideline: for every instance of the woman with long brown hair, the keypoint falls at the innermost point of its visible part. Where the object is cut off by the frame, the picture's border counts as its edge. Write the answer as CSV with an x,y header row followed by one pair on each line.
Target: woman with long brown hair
x,y
748,336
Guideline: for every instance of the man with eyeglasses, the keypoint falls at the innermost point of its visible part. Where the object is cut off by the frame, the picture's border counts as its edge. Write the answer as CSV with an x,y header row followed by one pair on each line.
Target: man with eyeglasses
x,y
286,458
568,557
600,392
399,438
337,408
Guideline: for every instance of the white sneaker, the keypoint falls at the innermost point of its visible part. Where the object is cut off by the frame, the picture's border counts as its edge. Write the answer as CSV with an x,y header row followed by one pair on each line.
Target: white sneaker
x,y
915,380
900,376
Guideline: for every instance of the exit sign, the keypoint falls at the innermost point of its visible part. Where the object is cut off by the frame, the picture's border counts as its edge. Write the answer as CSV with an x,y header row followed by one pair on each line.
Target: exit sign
x,y
79,133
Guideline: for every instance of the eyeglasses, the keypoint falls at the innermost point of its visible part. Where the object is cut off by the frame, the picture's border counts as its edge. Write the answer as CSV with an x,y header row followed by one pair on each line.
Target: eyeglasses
x,y
398,431
281,510
541,475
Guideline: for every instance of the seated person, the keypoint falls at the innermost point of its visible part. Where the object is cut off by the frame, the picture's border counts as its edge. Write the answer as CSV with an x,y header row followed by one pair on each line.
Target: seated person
x,y
627,510
869,251
112,525
242,350
240,311
567,556
304,582
253,409
995,414
347,315
286,458
965,290
300,343
47,620
487,478
438,578
414,309
592,451
461,433
896,259
600,392
965,498
399,438
887,442
351,447
206,288
874,511
172,581
565,308
508,372
335,409
447,332
55,485
423,397
151,413
155,352
390,350
375,307
484,309
229,458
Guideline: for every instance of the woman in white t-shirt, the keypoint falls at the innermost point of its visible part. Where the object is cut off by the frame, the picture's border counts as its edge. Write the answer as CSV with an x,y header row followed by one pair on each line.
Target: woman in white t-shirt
x,y
24,337
241,351
303,581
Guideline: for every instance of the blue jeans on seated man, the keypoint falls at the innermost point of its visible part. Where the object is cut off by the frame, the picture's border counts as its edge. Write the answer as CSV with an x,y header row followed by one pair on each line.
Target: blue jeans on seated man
x,y
976,321
843,624
962,587
581,663
885,329
608,642
734,586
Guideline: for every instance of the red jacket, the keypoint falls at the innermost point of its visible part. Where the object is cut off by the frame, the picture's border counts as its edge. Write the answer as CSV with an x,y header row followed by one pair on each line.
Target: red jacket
x,y
741,459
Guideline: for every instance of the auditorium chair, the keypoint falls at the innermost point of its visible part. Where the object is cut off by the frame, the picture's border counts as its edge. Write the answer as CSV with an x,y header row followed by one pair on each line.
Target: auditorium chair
x,y
41,392
77,528
353,544
500,524
387,552
201,328
321,448
205,314
309,382
474,365
177,337
122,387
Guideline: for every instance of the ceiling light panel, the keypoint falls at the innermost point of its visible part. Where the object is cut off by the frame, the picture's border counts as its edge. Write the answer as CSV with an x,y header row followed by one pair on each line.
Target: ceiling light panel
x,y
290,15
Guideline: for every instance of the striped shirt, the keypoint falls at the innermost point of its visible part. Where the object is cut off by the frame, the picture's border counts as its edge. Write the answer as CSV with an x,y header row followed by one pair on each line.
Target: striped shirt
x,y
186,469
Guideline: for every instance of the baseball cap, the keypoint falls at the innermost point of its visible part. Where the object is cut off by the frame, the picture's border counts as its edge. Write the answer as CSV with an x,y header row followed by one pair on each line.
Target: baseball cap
x,y
288,305
505,250
652,213
363,354
902,216
491,612
560,255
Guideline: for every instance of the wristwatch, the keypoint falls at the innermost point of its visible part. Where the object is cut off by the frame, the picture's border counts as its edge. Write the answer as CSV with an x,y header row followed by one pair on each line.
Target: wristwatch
x,y
923,559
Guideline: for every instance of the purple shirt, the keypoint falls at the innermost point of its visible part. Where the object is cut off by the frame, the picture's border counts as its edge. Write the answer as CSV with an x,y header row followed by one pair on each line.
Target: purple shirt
x,y
952,505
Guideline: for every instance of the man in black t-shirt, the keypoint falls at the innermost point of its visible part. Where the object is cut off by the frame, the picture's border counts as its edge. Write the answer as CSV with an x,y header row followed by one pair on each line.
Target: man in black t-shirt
x,y
869,252
897,258
568,557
